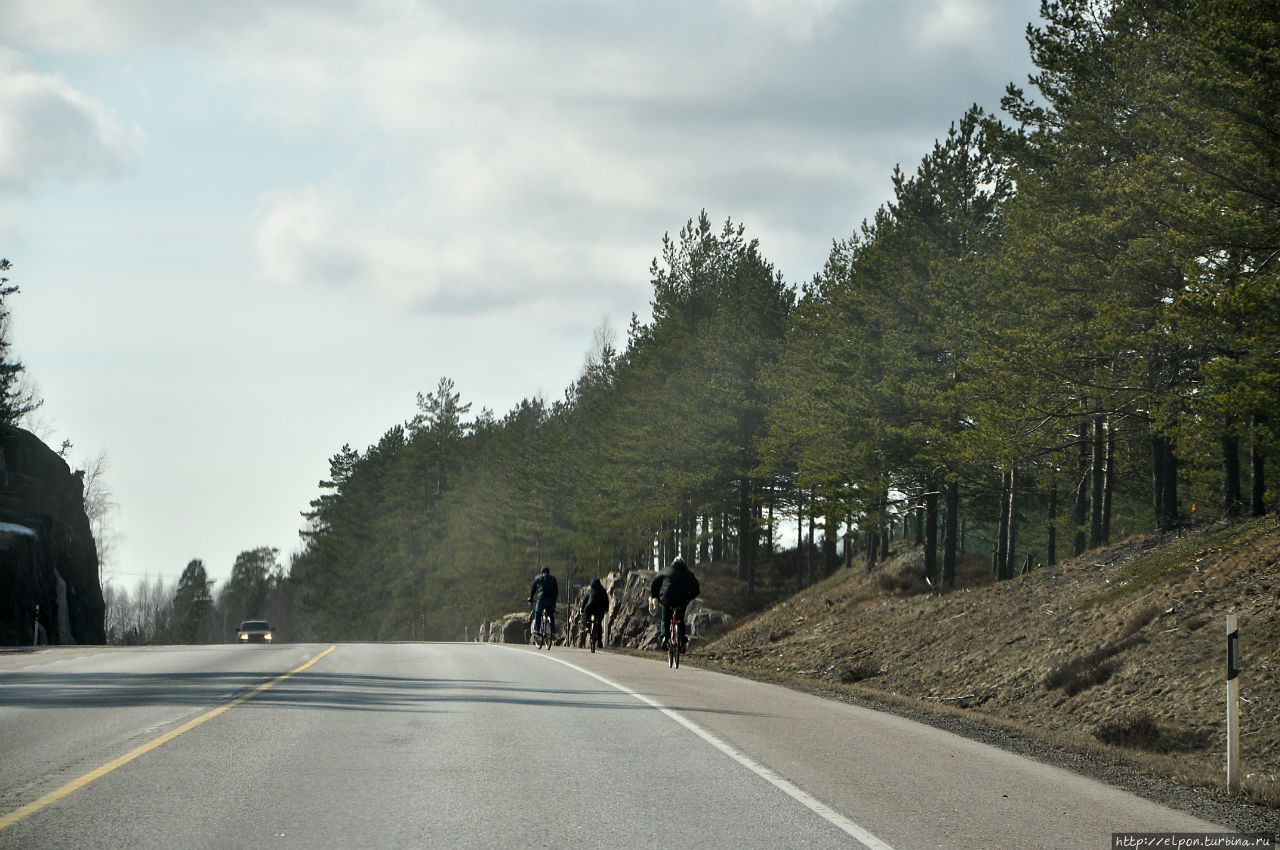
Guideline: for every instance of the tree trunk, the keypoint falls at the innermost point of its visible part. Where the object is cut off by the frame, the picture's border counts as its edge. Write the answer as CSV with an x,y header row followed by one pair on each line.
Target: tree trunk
x,y
848,540
1108,486
1232,501
1002,532
1257,480
704,540
1171,485
950,534
746,536
799,532
768,543
1012,529
1079,509
1165,479
1098,469
1157,481
808,550
830,553
931,534
1052,542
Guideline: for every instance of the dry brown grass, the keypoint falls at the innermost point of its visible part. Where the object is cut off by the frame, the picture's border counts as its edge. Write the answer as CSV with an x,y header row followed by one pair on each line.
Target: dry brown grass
x,y
1117,655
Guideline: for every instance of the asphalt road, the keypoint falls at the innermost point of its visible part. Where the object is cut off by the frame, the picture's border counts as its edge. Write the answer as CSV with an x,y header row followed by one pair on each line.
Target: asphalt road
x,y
478,745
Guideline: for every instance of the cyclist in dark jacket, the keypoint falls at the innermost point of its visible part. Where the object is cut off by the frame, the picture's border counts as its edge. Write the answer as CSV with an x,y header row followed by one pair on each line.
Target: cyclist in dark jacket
x,y
674,588
543,594
596,605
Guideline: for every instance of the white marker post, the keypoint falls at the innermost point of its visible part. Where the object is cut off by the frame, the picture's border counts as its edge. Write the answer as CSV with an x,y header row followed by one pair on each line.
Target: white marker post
x,y
1233,707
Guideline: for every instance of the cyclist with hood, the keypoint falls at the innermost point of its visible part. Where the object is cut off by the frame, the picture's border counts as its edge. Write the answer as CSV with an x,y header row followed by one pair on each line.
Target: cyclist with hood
x,y
596,605
543,594
674,587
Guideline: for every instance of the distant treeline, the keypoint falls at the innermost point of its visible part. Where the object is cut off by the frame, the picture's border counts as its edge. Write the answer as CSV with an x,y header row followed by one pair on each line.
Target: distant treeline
x,y
156,613
1064,326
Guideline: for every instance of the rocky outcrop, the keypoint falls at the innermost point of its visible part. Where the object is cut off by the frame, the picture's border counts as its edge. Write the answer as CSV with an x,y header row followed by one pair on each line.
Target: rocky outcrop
x,y
629,623
514,628
510,629
48,561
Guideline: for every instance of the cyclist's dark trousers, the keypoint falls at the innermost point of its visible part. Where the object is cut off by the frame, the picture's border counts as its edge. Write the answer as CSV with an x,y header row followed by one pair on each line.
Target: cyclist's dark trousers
x,y
667,612
540,606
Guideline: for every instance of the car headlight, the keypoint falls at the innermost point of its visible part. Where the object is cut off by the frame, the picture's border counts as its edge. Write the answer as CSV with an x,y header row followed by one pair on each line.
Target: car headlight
x,y
267,637
244,637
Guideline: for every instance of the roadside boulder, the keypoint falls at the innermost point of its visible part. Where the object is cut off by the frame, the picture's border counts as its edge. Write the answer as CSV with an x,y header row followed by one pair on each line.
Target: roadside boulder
x,y
511,628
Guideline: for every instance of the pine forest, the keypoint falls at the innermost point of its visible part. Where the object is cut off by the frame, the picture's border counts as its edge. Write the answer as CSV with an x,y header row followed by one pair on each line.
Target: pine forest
x,y
1062,329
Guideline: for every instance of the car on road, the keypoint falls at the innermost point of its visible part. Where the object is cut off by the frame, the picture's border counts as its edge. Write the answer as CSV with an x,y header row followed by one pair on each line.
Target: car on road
x,y
255,631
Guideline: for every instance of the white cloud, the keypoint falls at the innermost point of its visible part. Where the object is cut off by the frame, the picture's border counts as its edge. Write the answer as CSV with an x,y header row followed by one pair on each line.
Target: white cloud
x,y
798,19
93,27
298,238
50,130
814,164
412,256
446,187
955,23
477,139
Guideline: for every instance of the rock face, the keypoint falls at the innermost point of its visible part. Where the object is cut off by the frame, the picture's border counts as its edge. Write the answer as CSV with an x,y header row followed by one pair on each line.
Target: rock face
x,y
48,562
629,622
510,629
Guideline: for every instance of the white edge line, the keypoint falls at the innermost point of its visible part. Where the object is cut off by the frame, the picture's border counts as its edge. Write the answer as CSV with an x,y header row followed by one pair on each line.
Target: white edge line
x,y
804,798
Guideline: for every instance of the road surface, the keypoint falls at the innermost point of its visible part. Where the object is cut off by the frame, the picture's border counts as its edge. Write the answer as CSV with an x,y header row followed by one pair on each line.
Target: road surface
x,y
485,745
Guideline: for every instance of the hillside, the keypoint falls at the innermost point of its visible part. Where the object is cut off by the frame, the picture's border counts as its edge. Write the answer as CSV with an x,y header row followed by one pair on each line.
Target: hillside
x,y
1112,664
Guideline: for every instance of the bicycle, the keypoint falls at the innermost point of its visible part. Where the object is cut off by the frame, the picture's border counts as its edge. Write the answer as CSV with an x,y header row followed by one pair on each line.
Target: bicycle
x,y
542,637
675,639
594,636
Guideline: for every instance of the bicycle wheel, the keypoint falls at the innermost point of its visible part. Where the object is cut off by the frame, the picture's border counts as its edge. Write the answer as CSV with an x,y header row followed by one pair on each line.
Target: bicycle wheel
x,y
673,645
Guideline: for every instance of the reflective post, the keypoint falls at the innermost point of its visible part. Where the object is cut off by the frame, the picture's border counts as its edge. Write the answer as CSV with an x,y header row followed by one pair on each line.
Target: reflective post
x,y
1233,707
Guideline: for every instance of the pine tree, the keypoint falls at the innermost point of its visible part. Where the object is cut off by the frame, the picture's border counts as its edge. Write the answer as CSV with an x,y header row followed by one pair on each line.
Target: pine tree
x,y
193,604
15,400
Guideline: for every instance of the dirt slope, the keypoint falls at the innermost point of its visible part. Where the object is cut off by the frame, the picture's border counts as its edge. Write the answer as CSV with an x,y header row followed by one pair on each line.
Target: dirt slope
x,y
1118,657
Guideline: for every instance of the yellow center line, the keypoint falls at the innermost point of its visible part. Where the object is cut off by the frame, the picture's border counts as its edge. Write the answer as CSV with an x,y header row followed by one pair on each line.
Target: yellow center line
x,y
94,775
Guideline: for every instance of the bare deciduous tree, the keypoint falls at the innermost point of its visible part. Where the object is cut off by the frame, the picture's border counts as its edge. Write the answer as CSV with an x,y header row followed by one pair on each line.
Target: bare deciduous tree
x,y
99,506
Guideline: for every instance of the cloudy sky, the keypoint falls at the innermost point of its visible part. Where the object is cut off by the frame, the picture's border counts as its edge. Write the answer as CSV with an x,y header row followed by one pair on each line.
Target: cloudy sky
x,y
248,232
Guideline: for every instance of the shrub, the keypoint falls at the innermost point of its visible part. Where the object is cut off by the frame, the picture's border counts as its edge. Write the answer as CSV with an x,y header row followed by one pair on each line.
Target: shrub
x,y
1091,669
1140,620
1141,731
859,670
905,582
